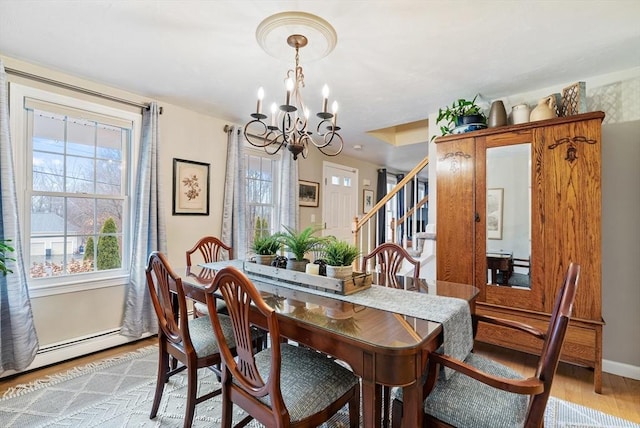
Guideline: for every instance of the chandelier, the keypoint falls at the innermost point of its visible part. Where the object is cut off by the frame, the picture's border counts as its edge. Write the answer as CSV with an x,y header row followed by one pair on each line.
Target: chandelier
x,y
289,123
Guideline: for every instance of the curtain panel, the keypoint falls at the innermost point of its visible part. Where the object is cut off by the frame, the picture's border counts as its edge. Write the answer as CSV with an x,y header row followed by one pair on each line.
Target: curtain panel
x,y
234,213
149,232
18,338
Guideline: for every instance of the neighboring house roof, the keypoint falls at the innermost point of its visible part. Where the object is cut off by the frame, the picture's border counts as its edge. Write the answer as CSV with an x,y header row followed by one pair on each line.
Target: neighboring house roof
x,y
48,223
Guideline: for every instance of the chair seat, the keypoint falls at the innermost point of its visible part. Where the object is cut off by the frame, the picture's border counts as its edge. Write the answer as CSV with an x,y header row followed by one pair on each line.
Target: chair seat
x,y
202,336
464,402
310,381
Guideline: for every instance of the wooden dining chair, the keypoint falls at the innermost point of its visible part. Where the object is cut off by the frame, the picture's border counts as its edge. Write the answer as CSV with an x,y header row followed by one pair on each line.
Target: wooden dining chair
x,y
485,393
209,249
283,385
190,343
389,258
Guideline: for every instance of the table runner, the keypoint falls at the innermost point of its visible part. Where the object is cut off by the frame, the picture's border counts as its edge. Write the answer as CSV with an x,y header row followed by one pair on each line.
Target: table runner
x,y
451,312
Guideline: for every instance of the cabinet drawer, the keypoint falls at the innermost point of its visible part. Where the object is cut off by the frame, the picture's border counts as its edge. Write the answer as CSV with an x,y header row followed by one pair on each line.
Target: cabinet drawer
x,y
580,345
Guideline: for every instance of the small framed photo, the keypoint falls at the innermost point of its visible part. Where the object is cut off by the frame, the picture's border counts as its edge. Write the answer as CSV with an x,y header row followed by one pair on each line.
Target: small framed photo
x,y
494,213
308,193
190,187
367,200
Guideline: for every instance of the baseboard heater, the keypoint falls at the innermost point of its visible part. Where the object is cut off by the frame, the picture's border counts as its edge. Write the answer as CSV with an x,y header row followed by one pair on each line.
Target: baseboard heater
x,y
58,352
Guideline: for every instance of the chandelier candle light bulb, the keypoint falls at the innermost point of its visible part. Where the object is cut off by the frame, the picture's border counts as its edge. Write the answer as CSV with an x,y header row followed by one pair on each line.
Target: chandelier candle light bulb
x,y
334,109
289,85
274,112
260,97
325,98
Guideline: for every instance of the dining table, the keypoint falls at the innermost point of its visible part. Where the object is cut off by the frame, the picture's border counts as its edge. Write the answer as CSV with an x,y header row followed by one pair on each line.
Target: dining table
x,y
384,334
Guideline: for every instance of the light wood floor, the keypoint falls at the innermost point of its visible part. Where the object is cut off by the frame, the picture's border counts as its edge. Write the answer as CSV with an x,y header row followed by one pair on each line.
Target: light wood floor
x,y
620,396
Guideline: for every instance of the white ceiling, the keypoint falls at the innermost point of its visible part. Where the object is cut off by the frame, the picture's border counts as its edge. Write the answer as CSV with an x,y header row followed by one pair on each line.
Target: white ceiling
x,y
395,61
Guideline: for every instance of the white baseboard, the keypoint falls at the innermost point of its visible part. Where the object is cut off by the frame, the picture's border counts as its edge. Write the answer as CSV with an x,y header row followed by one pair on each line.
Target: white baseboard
x,y
77,348
621,369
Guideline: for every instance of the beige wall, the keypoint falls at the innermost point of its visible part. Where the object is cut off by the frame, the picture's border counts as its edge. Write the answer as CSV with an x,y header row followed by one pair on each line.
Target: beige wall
x,y
311,169
621,242
185,134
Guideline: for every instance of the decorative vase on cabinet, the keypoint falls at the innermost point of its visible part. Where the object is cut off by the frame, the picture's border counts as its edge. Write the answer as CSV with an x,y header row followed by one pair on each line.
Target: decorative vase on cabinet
x,y
497,114
520,114
546,109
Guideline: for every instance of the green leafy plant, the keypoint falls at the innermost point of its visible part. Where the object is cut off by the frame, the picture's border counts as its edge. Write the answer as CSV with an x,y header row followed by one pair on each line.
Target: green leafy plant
x,y
265,245
89,249
450,115
300,243
5,249
108,247
340,253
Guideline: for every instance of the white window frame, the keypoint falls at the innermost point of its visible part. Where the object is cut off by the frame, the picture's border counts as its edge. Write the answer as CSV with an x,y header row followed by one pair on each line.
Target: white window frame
x,y
39,287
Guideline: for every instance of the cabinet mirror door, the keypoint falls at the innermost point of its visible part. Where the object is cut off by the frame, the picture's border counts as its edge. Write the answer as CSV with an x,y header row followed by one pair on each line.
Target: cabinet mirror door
x,y
508,216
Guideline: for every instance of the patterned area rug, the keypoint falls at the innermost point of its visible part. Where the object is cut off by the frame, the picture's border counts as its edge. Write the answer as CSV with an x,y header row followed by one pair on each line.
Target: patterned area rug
x,y
118,393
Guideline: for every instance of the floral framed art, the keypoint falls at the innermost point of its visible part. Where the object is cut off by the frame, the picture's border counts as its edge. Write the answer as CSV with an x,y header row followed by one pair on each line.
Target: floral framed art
x,y
190,187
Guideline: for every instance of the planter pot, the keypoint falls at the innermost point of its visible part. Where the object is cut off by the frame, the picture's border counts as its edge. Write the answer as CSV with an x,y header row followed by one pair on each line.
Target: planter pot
x,y
265,259
298,265
339,272
472,119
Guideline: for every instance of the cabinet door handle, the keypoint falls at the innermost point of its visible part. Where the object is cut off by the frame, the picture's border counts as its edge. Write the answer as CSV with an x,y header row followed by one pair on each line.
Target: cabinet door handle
x,y
477,218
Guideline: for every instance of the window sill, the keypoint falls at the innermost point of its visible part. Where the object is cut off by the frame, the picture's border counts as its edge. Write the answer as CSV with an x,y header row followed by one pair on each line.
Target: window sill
x,y
74,285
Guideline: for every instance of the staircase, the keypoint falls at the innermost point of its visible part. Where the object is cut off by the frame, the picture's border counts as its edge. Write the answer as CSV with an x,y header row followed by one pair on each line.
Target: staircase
x,y
410,230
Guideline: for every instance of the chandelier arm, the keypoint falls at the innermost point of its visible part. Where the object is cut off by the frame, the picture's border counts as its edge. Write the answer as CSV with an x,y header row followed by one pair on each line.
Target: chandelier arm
x,y
277,144
324,135
256,137
335,137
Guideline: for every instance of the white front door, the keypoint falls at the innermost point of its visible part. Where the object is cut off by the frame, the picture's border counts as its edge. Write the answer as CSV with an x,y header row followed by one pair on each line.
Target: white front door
x,y
339,200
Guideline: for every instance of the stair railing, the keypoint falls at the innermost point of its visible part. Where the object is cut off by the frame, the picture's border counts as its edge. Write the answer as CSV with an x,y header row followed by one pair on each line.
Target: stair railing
x,y
365,229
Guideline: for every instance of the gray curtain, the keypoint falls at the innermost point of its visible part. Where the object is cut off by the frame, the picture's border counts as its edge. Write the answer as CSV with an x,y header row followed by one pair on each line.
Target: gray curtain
x,y
148,231
18,339
289,210
234,229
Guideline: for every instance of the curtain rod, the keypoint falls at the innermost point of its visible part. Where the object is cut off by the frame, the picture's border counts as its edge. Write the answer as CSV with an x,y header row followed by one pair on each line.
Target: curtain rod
x,y
228,128
76,88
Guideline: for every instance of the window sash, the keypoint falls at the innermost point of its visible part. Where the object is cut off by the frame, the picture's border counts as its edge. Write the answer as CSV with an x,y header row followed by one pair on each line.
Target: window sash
x,y
21,124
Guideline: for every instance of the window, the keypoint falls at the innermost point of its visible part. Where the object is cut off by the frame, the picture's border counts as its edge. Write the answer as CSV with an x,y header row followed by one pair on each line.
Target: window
x,y
261,181
73,162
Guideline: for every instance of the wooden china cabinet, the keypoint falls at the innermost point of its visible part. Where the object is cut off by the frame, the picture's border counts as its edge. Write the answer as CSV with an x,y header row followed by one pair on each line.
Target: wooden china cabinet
x,y
527,192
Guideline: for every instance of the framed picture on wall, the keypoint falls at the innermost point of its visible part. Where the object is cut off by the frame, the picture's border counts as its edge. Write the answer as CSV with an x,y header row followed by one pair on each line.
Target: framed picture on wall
x,y
368,200
308,193
494,213
190,187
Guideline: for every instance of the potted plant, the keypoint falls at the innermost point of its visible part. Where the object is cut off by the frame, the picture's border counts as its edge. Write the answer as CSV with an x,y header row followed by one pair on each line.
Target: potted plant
x,y
461,112
265,248
298,244
340,256
4,257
